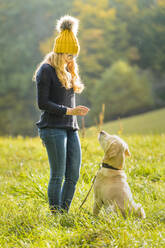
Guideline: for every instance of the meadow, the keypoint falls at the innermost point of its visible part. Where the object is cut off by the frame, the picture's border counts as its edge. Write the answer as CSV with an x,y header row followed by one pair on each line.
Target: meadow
x,y
25,220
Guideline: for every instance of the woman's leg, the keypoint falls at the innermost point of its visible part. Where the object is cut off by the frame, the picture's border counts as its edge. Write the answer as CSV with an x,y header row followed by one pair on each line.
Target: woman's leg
x,y
73,163
55,141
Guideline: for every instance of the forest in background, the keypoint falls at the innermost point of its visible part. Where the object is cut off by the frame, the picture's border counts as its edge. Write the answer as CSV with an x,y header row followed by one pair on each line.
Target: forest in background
x,y
121,60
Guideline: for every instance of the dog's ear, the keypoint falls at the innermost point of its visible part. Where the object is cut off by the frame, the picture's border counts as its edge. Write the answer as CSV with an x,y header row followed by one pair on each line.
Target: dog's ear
x,y
127,152
112,150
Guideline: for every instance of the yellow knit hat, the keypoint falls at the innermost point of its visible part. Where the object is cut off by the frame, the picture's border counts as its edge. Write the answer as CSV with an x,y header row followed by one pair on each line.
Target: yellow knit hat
x,y
66,41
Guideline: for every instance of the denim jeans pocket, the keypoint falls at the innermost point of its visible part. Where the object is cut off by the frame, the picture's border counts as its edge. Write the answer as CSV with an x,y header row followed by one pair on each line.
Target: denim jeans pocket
x,y
43,132
48,133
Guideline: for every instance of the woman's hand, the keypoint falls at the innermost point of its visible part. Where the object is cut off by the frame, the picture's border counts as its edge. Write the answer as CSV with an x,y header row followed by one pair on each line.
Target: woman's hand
x,y
79,110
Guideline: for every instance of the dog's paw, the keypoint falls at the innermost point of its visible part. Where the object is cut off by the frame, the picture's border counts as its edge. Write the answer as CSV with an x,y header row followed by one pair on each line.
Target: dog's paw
x,y
143,215
140,211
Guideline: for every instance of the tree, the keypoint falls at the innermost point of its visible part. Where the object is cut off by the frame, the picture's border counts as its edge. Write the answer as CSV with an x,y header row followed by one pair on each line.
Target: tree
x,y
147,34
124,90
23,27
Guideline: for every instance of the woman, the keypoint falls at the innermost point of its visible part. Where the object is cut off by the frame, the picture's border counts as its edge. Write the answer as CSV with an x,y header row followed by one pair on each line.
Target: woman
x,y
57,82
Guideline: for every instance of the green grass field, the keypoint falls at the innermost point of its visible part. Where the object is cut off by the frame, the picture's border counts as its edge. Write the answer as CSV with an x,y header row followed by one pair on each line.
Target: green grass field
x,y
152,122
25,220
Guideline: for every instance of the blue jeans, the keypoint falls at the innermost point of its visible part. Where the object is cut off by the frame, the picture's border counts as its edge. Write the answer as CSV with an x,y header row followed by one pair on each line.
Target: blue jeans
x,y
64,155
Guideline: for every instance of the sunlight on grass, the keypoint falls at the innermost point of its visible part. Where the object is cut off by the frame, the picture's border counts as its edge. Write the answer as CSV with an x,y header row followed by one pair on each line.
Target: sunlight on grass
x,y
25,218
152,122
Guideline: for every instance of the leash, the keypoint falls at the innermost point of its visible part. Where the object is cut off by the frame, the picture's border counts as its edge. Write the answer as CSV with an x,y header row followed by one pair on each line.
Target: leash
x,y
89,189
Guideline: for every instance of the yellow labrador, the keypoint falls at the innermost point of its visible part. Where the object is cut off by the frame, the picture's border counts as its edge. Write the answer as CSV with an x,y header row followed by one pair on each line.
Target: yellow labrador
x,y
111,188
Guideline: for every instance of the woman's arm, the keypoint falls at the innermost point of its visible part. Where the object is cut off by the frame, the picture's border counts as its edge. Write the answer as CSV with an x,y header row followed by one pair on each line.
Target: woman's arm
x,y
43,88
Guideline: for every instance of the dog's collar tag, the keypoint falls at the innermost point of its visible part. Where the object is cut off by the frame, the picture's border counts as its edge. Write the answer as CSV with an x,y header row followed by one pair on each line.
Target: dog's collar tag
x,y
104,165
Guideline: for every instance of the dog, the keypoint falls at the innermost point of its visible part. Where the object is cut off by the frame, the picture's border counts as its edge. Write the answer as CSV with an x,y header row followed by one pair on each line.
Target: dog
x,y
110,187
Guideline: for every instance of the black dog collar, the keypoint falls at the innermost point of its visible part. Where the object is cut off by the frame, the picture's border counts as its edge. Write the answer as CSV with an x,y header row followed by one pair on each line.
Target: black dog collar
x,y
104,165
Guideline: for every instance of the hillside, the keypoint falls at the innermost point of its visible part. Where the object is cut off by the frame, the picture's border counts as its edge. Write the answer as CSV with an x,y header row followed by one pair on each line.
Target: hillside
x,y
152,122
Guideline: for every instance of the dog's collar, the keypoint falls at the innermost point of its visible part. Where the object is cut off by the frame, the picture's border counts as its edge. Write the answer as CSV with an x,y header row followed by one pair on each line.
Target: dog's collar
x,y
104,165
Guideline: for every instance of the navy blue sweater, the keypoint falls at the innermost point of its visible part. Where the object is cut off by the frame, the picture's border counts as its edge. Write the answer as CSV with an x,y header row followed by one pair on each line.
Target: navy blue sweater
x,y
53,99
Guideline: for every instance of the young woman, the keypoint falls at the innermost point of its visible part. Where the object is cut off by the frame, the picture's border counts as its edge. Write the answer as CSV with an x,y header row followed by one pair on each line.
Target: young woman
x,y
57,82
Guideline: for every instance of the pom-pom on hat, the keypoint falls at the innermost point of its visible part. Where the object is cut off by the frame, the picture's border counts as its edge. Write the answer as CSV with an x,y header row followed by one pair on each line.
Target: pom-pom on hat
x,y
66,41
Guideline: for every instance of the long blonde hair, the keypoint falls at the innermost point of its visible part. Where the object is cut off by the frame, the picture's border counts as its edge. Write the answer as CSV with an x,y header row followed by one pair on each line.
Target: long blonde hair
x,y
67,76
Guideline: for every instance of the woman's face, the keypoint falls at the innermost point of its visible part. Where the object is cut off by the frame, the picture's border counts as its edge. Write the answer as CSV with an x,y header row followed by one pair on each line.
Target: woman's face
x,y
69,57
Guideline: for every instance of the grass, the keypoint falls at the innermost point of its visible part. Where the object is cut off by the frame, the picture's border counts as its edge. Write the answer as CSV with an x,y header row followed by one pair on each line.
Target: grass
x,y
25,220
152,122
